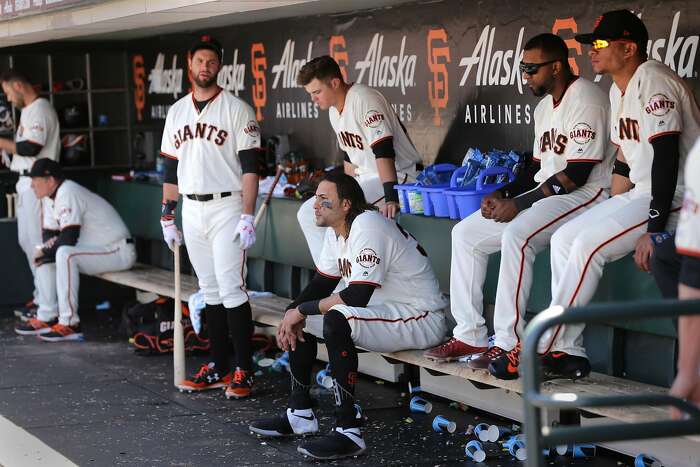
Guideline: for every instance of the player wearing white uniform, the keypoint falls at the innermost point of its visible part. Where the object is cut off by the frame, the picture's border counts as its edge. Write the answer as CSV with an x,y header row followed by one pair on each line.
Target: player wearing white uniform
x,y
687,382
211,141
654,121
391,301
574,158
91,238
378,152
37,137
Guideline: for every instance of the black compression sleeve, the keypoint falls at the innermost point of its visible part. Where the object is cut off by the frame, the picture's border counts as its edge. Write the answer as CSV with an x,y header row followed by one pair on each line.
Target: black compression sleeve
x,y
48,234
579,172
346,158
320,287
68,236
664,176
390,193
357,294
384,148
621,168
249,160
529,198
170,170
28,148
525,181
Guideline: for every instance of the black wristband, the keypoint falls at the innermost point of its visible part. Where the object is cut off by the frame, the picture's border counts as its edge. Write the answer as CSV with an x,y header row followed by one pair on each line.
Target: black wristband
x,y
621,168
526,200
309,308
390,194
555,186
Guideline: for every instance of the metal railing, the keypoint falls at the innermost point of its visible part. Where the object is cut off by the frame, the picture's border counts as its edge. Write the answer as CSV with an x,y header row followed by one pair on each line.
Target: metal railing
x,y
539,437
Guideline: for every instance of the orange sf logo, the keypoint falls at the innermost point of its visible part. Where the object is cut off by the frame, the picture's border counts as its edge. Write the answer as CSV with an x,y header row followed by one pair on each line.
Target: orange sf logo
x,y
336,49
258,66
570,24
438,87
139,73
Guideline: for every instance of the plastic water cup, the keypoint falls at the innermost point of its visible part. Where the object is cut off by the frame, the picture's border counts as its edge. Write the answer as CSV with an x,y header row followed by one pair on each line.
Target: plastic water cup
x,y
561,449
482,431
495,432
324,378
645,460
521,437
418,404
583,450
517,450
442,425
475,450
265,362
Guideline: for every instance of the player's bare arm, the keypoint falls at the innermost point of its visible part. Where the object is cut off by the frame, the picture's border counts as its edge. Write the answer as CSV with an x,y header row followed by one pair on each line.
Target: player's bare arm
x,y
8,145
249,182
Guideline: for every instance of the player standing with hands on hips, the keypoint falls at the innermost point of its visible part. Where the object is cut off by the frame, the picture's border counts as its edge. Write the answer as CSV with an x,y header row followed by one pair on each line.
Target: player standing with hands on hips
x,y
378,151
210,143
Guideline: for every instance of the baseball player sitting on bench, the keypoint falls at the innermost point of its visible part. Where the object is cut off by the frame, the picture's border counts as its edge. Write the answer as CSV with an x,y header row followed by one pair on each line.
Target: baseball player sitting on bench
x,y
91,238
378,151
573,160
391,302
655,121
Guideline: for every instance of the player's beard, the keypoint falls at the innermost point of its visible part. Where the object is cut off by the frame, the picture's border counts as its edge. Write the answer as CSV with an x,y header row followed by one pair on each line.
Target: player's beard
x,y
539,91
204,84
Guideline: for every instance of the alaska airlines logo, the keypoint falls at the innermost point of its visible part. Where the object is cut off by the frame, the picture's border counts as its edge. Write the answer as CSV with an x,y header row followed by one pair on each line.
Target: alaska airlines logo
x,y
493,68
659,105
232,76
288,67
368,258
582,133
680,51
387,71
165,81
202,131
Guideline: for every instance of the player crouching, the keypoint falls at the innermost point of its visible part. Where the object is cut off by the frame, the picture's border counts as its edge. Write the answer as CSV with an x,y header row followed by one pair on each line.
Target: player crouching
x,y
391,302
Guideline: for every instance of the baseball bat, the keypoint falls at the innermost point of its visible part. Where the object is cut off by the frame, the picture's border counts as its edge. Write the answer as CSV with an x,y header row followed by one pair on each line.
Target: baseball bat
x,y
9,199
262,209
179,340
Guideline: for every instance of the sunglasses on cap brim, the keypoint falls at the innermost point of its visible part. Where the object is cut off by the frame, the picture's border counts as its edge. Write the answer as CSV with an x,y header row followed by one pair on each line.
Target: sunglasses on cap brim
x,y
533,68
598,44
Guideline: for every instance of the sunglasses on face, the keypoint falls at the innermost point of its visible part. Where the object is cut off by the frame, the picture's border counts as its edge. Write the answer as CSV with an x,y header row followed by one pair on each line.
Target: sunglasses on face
x,y
533,68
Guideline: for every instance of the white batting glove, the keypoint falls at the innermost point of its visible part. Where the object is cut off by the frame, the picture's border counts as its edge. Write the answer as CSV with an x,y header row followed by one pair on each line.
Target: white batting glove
x,y
245,232
171,234
6,161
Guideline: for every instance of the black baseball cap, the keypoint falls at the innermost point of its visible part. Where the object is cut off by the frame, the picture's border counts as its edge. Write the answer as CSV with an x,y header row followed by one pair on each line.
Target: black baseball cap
x,y
46,168
209,43
618,24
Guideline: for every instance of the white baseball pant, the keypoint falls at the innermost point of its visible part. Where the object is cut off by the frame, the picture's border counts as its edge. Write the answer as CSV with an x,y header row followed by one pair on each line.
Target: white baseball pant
x,y
581,248
209,228
86,259
519,241
374,194
388,327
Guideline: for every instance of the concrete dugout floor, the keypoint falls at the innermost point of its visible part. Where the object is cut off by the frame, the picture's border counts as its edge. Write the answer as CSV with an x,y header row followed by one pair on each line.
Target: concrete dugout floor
x,y
98,403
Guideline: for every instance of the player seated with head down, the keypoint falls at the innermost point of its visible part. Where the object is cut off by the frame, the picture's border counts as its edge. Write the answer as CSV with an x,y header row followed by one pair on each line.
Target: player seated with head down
x,y
391,302
82,233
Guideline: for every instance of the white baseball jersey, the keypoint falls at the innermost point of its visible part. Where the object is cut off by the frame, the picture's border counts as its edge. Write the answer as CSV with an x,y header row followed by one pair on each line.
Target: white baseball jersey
x,y
99,222
378,251
688,233
206,143
366,120
656,102
574,129
38,124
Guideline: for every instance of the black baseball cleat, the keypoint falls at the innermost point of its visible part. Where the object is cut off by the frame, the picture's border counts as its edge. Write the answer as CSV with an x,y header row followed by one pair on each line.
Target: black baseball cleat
x,y
561,365
506,365
294,422
27,312
339,443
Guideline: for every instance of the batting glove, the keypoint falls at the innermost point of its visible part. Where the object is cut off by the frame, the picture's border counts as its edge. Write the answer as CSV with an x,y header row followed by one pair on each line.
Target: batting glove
x,y
171,234
245,232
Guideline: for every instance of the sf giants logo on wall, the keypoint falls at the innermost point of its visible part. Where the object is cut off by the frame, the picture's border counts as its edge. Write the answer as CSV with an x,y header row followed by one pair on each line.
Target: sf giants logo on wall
x,y
438,57
337,50
258,65
139,74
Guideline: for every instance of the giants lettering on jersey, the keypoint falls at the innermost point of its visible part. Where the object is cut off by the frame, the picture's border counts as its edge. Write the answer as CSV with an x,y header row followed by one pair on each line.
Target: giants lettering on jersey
x,y
582,133
659,105
350,140
629,129
551,140
368,258
345,267
202,131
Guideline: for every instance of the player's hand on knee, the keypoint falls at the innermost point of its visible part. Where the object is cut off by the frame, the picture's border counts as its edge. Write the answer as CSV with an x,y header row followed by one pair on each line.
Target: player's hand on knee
x,y
390,209
171,234
245,231
643,251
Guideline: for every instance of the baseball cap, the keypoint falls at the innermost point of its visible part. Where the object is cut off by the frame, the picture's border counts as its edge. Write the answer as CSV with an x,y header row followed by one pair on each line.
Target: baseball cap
x,y
209,43
618,24
46,168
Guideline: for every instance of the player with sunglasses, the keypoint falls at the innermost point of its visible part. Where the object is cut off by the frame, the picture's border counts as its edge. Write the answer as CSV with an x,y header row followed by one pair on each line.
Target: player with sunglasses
x,y
654,123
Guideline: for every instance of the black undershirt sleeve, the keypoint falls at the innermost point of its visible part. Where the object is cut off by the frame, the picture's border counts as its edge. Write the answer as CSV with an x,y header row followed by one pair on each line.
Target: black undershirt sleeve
x,y
249,160
579,172
384,149
320,287
664,176
28,148
170,170
68,236
357,294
